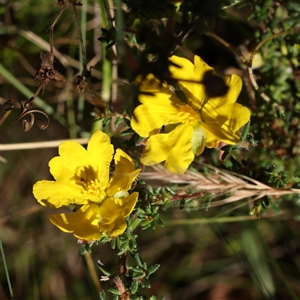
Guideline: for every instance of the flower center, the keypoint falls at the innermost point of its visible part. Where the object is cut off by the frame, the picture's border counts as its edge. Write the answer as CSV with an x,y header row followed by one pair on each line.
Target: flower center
x,y
94,191
188,116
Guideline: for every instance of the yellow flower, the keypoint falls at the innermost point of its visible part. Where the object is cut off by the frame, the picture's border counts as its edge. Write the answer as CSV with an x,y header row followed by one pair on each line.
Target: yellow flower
x,y
82,178
178,131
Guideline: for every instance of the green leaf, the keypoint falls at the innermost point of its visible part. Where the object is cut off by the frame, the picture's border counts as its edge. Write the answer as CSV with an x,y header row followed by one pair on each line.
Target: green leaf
x,y
106,120
114,291
113,243
245,131
207,199
127,122
153,269
102,295
127,132
138,275
134,287
150,189
159,222
122,251
86,248
104,271
118,121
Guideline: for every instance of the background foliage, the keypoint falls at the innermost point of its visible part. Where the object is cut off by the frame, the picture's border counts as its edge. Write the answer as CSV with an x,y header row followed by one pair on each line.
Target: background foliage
x,y
203,253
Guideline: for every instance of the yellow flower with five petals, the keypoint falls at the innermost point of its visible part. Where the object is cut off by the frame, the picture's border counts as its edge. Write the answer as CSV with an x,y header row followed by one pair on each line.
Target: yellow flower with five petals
x,y
177,131
82,178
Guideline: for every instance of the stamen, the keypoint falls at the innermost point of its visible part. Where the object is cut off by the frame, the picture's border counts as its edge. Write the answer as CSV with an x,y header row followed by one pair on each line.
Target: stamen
x,y
94,191
188,116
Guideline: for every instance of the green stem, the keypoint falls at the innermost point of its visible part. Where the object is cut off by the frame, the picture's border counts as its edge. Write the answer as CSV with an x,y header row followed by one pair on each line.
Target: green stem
x,y
104,7
80,38
106,77
71,118
106,64
211,220
276,266
120,27
6,270
83,18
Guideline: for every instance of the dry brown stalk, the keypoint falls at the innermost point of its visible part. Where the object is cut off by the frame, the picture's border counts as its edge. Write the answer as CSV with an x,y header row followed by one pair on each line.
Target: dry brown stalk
x,y
39,145
222,184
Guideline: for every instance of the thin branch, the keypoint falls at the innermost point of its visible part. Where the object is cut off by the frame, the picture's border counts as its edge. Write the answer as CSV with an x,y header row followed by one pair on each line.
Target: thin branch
x,y
258,46
227,45
50,29
248,64
269,38
39,145
64,59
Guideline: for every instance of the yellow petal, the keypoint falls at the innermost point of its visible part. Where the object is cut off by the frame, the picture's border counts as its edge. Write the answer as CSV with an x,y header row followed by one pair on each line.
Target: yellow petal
x,y
189,76
57,193
215,134
84,223
237,116
151,84
234,82
100,152
226,125
124,174
175,148
88,164
59,170
73,156
113,213
155,111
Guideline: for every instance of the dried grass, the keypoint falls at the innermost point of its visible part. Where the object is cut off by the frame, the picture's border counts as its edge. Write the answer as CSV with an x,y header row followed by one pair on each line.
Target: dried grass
x,y
228,186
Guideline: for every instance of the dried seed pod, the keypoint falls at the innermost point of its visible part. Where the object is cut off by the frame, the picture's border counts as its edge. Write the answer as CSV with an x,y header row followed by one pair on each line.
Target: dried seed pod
x,y
8,105
25,111
80,83
26,125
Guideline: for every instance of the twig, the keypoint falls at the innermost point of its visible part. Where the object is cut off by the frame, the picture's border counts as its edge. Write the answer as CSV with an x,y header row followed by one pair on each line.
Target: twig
x,y
39,145
258,46
243,60
271,37
51,27
227,45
